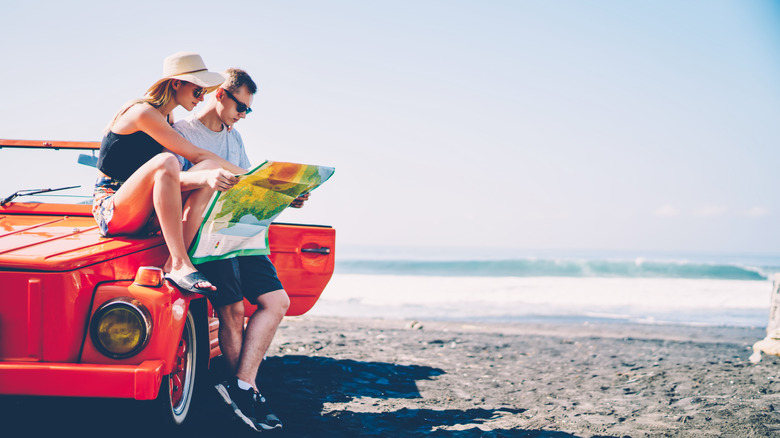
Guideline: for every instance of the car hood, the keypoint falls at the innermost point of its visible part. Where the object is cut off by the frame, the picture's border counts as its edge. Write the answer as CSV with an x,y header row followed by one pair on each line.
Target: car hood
x,y
39,239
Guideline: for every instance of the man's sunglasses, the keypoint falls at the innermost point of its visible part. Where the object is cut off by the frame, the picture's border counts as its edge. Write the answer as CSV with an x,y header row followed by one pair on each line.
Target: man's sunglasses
x,y
240,107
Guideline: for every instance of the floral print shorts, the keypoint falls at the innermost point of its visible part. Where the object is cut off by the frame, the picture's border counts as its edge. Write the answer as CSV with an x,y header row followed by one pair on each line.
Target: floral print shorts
x,y
103,208
102,202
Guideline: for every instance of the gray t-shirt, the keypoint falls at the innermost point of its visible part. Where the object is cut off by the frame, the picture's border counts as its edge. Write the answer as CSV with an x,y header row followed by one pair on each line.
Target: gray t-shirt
x,y
226,144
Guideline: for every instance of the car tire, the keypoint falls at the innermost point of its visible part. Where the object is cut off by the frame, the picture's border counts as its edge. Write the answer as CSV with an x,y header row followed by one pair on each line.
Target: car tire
x,y
182,392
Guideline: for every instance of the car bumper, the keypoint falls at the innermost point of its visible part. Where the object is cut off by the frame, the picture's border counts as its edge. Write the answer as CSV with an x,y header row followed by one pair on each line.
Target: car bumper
x,y
140,382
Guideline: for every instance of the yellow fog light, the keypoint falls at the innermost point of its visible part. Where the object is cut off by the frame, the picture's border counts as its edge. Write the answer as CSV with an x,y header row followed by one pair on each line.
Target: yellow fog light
x,y
121,327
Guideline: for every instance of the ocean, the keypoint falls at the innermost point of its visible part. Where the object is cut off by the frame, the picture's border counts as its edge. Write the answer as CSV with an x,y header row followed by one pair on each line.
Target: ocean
x,y
576,287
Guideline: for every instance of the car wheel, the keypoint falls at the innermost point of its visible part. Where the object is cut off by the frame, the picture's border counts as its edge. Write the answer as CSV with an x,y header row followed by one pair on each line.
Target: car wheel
x,y
178,391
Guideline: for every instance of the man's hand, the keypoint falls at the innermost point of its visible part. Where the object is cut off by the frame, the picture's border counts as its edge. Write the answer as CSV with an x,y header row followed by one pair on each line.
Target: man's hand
x,y
220,179
298,202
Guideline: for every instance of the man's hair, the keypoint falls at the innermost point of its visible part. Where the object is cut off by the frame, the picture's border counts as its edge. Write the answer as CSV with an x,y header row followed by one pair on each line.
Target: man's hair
x,y
237,78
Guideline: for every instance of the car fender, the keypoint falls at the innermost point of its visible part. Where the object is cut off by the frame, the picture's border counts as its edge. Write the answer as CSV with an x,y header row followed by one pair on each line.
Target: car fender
x,y
167,307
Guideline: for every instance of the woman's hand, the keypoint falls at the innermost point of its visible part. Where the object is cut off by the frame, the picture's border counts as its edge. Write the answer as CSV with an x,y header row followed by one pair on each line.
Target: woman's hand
x,y
220,179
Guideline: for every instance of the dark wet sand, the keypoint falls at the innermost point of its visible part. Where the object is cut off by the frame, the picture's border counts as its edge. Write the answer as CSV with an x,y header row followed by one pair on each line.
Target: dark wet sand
x,y
401,378
336,377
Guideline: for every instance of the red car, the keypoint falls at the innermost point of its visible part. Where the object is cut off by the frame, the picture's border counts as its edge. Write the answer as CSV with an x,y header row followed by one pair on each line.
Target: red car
x,y
87,316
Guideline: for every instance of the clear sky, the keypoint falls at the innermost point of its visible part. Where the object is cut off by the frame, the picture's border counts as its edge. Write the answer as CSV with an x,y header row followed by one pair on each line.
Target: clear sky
x,y
551,125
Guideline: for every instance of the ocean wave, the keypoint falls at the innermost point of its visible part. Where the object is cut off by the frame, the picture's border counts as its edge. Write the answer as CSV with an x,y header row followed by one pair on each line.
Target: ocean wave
x,y
638,268
708,302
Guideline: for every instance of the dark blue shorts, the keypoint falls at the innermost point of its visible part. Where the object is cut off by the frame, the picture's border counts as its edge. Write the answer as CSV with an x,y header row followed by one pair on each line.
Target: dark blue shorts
x,y
239,277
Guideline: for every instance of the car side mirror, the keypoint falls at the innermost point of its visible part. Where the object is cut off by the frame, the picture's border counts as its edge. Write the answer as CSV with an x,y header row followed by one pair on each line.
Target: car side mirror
x,y
88,160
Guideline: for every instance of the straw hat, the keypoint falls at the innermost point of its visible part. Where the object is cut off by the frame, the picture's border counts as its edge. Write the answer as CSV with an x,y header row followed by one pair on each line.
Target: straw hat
x,y
189,66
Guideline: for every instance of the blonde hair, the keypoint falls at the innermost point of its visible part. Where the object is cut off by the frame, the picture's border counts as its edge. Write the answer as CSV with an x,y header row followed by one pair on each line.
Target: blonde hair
x,y
158,95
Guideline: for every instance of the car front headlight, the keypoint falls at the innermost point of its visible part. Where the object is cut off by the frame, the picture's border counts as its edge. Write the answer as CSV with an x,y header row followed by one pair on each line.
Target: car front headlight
x,y
121,327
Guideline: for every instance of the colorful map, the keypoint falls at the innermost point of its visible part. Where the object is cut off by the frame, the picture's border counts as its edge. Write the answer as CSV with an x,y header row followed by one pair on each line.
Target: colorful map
x,y
236,222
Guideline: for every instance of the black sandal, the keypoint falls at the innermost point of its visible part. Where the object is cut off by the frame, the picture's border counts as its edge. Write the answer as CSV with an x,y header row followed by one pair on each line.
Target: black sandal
x,y
187,283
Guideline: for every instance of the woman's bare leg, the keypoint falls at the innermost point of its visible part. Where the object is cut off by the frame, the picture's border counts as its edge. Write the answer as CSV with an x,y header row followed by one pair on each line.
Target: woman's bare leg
x,y
155,185
196,203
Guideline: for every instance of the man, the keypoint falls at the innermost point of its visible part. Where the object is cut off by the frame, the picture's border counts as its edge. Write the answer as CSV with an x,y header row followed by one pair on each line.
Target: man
x,y
253,277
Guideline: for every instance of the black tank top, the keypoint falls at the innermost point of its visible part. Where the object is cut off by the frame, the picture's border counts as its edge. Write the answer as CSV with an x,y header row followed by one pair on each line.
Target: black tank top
x,y
121,155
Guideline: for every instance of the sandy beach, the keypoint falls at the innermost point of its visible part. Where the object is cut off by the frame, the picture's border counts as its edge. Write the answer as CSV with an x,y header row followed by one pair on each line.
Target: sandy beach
x,y
361,377
344,377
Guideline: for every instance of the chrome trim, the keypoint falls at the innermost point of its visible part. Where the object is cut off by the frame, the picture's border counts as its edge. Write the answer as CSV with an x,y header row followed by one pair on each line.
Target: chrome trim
x,y
323,250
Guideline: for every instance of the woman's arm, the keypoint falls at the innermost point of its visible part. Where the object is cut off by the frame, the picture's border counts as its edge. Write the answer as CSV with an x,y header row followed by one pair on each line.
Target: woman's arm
x,y
151,121
218,179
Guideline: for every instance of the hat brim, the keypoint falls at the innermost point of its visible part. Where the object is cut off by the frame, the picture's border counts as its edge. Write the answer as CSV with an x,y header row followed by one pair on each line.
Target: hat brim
x,y
205,79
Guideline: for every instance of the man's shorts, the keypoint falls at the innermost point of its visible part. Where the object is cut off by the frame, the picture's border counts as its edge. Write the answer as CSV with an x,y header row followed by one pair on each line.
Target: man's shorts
x,y
239,277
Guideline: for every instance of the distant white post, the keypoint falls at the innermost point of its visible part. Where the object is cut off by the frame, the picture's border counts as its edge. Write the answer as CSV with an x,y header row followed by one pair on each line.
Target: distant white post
x,y
771,343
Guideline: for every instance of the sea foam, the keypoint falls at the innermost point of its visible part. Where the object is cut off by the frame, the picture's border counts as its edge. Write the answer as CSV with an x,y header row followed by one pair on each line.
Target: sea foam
x,y
698,301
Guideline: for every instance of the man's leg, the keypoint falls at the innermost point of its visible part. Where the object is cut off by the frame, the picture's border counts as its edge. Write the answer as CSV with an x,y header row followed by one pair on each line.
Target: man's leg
x,y
261,286
260,331
257,275
229,305
240,392
231,333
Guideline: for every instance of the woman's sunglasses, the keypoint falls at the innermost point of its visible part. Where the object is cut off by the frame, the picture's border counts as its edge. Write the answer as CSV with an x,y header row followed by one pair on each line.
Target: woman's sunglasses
x,y
240,107
197,91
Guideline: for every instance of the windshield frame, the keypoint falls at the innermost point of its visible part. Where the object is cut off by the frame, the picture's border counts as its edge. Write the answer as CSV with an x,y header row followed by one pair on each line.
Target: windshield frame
x,y
48,166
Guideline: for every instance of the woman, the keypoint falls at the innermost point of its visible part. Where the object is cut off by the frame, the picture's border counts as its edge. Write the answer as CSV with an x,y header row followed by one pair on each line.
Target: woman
x,y
140,183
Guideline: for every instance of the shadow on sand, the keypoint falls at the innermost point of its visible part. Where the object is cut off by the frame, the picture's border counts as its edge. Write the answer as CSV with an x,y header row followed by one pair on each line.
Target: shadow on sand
x,y
306,393
310,394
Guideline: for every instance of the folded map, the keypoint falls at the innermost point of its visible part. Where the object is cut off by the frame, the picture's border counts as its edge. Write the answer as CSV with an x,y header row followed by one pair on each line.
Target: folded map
x,y
236,221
